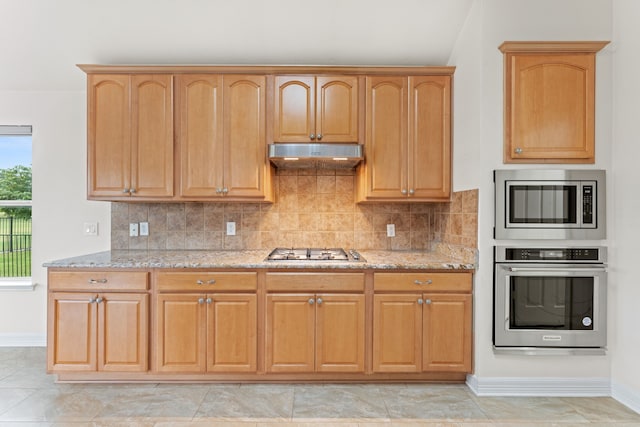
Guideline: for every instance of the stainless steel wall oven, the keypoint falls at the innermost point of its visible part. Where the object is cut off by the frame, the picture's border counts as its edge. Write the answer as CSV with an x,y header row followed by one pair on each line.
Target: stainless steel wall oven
x,y
553,297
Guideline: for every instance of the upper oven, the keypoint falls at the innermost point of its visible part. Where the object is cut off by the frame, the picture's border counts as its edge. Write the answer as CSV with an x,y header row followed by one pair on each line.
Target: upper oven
x,y
549,204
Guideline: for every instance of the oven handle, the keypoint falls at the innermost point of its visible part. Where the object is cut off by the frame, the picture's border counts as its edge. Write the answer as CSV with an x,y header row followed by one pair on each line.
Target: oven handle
x,y
557,269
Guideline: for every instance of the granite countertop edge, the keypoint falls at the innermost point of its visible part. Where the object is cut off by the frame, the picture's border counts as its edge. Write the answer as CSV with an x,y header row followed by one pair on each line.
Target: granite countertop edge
x,y
255,259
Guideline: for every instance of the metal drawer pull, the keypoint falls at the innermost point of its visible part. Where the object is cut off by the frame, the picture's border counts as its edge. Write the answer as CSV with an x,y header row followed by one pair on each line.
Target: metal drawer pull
x,y
423,282
427,301
209,300
200,300
99,300
319,301
209,282
420,301
311,301
92,300
558,269
96,281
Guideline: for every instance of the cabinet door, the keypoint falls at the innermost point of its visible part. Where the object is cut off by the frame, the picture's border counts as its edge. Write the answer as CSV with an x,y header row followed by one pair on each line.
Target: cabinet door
x,y
152,135
429,137
340,333
199,130
71,335
232,332
447,333
337,109
123,332
290,333
386,138
397,333
181,333
294,109
549,111
109,135
245,149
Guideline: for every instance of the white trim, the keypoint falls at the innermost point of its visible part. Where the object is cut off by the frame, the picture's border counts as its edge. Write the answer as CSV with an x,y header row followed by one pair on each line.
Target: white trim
x,y
16,203
16,130
626,395
23,340
524,386
17,284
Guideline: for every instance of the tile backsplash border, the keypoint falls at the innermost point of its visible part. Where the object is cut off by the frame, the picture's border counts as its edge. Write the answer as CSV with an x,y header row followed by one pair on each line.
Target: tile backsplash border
x,y
312,209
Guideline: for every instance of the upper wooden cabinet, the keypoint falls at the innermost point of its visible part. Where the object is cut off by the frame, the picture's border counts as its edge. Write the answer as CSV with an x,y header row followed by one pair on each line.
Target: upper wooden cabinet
x,y
221,137
408,139
549,101
316,109
130,136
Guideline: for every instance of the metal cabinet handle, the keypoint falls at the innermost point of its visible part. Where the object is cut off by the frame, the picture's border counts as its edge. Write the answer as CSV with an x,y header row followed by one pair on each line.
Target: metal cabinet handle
x,y
319,136
404,191
319,300
125,190
99,300
200,300
423,282
311,301
518,150
199,282
218,190
211,281
427,301
132,190
225,190
312,136
96,281
412,191
420,301
92,300
209,300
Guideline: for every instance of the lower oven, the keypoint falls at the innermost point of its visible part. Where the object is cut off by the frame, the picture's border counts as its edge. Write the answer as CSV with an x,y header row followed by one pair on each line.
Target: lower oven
x,y
550,297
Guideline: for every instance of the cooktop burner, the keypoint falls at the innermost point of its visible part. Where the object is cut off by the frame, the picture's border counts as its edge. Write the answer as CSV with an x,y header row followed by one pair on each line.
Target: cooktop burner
x,y
313,254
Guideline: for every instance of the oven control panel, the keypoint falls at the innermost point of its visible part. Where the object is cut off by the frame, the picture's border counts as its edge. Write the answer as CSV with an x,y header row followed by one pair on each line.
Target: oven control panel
x,y
575,254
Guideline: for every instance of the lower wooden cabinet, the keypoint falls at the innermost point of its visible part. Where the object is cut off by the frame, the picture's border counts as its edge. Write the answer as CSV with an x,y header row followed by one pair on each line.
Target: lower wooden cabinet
x,y
206,332
315,333
97,332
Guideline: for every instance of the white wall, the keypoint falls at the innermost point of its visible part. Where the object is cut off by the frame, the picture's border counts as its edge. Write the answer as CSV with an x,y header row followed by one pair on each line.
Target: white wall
x,y
478,145
625,177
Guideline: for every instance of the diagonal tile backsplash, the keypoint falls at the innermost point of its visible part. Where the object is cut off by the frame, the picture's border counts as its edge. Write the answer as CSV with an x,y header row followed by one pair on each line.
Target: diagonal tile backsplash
x,y
313,208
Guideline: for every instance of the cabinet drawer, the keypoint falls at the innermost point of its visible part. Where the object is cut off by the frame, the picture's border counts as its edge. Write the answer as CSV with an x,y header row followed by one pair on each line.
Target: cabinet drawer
x,y
102,280
422,282
315,282
207,281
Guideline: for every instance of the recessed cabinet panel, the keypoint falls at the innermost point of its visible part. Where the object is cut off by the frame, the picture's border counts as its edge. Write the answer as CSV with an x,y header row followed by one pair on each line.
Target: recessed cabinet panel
x,y
152,139
109,134
200,134
386,136
294,110
337,109
244,136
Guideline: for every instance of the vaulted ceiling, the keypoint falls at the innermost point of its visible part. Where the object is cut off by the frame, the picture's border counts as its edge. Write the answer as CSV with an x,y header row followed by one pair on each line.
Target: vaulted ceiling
x,y
42,40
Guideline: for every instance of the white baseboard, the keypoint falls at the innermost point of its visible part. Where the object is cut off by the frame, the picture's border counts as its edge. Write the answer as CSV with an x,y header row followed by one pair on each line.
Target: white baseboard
x,y
23,340
523,386
626,396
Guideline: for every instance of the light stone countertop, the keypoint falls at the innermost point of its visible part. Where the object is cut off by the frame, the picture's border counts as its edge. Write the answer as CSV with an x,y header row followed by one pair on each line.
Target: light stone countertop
x,y
384,260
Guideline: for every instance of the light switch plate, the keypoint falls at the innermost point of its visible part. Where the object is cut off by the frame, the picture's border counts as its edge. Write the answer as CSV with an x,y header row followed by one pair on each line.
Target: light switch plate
x,y
231,228
391,230
90,228
133,229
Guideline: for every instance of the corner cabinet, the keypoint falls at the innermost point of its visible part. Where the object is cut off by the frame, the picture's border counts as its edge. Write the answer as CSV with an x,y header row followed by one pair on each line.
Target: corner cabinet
x,y
408,139
549,101
221,137
130,136
316,109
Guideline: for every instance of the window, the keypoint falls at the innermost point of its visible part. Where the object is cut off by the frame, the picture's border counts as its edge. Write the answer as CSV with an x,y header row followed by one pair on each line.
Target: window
x,y
15,207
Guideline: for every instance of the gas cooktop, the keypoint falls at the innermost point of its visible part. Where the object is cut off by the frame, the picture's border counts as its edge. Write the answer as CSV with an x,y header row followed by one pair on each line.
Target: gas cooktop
x,y
313,254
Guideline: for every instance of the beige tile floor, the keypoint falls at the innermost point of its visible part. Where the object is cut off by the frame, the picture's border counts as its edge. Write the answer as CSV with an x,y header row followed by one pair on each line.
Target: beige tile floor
x,y
29,397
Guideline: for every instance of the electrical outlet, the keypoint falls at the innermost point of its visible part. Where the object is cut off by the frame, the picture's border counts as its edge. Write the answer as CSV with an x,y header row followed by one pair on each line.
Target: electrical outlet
x,y
133,229
144,228
391,230
231,228
90,228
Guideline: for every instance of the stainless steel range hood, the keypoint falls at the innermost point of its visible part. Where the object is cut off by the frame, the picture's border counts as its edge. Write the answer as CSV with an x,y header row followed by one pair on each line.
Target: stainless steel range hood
x,y
323,156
